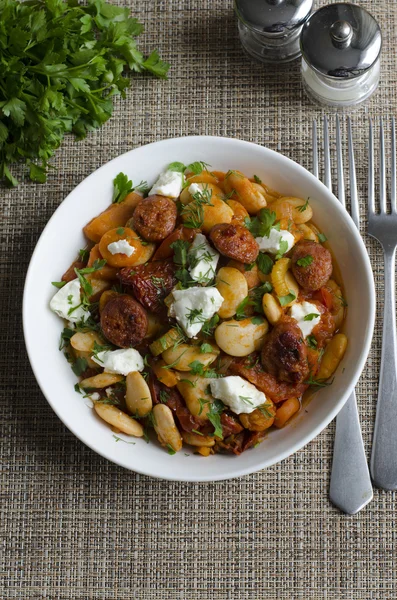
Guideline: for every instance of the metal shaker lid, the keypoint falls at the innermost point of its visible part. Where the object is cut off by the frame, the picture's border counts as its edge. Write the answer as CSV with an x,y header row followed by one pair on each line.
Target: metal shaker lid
x,y
273,17
341,40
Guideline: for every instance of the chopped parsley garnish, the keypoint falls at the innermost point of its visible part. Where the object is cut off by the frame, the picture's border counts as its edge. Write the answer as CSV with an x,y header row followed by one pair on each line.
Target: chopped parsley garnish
x,y
65,337
257,320
178,167
210,324
322,238
193,213
202,403
240,310
120,231
58,284
304,206
311,342
122,186
170,450
84,254
256,295
206,348
284,300
261,225
257,179
265,263
79,366
249,267
101,348
85,284
197,167
311,316
214,415
180,248
305,261
196,367
283,248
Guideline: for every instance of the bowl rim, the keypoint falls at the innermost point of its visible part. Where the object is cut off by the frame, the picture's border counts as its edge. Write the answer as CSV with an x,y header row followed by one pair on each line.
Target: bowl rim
x,y
235,471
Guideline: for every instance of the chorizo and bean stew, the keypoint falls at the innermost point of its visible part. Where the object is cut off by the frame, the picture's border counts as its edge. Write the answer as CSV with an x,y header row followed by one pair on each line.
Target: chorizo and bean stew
x,y
203,308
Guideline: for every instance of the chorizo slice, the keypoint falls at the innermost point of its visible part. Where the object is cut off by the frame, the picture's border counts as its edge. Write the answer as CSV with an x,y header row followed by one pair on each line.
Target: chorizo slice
x,y
284,353
124,321
154,218
251,369
180,233
235,241
311,265
151,282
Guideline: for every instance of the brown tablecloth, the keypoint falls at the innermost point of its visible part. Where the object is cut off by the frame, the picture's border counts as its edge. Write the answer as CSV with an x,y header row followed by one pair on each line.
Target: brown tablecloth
x,y
76,527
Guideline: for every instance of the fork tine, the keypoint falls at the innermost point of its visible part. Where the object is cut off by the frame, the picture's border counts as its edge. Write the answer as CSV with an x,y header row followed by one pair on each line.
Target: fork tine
x,y
371,170
355,210
315,148
327,157
393,166
339,163
382,169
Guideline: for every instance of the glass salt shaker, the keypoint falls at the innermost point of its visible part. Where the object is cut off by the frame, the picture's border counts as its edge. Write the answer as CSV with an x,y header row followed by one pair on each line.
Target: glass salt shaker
x,y
341,45
270,29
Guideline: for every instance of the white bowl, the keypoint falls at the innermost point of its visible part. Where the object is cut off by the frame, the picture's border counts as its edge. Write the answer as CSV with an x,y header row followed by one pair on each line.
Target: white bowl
x,y
63,236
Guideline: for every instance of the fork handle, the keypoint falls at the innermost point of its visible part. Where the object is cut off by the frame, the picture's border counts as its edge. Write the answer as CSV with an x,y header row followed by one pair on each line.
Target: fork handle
x,y
350,486
384,447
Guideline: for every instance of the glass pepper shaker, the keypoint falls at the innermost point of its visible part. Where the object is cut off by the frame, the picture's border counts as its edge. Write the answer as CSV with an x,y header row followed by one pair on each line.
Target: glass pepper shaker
x,y
341,45
270,29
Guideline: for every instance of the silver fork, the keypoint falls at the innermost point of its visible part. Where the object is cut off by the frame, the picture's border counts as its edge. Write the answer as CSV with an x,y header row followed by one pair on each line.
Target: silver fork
x,y
350,485
383,227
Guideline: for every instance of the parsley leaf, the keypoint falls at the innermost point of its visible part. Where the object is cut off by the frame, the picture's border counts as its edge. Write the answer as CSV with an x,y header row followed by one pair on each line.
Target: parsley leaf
x,y
180,248
260,225
257,179
196,367
193,213
283,248
121,187
240,310
61,65
284,300
176,166
265,263
79,366
214,416
58,284
311,316
197,167
206,348
170,450
305,261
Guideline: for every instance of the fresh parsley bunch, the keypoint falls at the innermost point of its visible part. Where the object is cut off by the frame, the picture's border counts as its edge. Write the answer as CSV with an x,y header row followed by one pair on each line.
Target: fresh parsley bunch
x,y
61,64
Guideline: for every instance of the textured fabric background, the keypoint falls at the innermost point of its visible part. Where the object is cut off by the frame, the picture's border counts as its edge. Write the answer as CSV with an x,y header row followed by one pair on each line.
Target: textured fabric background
x,y
74,526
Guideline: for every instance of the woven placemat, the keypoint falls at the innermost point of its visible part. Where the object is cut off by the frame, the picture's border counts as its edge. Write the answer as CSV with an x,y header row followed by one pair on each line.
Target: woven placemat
x,y
76,527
